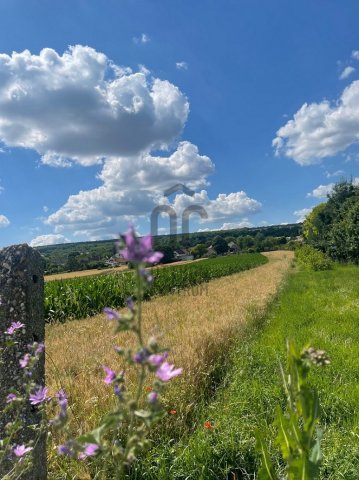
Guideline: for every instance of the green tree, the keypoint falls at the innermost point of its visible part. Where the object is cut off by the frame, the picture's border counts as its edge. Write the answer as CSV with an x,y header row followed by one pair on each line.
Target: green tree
x,y
168,254
199,250
220,245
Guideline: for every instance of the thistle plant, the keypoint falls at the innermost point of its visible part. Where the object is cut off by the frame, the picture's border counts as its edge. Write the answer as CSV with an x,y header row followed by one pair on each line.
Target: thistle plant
x,y
15,450
298,433
123,433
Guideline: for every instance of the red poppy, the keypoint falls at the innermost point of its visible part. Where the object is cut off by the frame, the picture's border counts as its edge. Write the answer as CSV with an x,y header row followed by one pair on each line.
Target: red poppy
x,y
148,389
172,412
208,425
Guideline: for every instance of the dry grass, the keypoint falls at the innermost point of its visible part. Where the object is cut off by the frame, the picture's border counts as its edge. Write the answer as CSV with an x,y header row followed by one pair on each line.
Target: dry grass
x,y
196,324
83,273
105,271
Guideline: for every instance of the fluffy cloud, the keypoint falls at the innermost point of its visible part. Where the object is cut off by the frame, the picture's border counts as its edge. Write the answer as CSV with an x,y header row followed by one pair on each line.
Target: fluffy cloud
x,y
50,239
301,214
146,171
81,107
131,188
231,226
322,191
225,206
321,130
4,221
346,72
355,54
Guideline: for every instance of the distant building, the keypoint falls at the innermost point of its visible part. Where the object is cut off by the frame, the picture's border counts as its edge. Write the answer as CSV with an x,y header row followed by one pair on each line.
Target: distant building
x,y
211,251
182,254
116,261
233,247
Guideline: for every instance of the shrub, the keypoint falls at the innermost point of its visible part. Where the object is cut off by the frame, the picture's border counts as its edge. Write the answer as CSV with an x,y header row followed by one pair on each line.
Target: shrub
x,y
312,259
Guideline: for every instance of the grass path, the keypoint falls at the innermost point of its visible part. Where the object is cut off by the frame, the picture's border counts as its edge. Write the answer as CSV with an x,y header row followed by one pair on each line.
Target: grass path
x,y
320,309
197,324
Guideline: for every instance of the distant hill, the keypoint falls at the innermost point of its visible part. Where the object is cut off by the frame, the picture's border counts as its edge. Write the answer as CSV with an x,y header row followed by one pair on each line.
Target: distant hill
x,y
87,255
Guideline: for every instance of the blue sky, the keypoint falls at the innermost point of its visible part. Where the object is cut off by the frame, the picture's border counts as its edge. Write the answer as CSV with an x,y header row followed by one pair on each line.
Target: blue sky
x,y
253,104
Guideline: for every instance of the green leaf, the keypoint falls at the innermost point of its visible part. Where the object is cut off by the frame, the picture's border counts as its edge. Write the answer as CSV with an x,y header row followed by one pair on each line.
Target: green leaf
x,y
266,471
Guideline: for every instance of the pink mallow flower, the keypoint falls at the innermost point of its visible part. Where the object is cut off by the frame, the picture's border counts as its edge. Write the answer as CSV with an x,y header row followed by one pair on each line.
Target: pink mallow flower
x,y
152,397
90,449
63,402
139,250
39,396
166,371
110,375
24,361
21,450
40,348
13,327
157,359
11,398
111,314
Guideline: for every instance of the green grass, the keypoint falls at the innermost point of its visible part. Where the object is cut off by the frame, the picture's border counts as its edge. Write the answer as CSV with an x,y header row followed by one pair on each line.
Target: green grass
x,y
320,309
86,296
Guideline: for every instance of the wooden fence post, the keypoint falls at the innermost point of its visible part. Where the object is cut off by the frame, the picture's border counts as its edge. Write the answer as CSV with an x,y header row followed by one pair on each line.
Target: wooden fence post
x,y
22,300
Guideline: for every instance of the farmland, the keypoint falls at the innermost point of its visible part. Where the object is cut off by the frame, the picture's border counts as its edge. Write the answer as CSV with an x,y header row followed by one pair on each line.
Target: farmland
x,y
229,341
200,326
81,297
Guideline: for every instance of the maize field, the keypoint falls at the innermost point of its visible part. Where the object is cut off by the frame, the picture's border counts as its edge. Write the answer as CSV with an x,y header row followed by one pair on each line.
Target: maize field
x,y
82,297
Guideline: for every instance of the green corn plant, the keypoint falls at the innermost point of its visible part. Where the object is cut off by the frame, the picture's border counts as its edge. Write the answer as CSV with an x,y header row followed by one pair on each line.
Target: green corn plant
x,y
298,433
82,297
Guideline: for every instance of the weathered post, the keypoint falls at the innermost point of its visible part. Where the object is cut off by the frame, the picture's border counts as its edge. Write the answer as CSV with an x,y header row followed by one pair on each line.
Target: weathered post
x,y
22,298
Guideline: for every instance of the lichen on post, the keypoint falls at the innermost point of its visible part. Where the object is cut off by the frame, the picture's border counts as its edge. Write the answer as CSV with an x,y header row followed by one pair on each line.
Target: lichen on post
x,y
22,300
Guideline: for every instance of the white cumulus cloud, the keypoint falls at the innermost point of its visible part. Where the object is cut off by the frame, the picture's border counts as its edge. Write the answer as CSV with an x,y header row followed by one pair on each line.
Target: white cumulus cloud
x,y
321,191
346,72
301,214
226,206
50,239
81,107
320,130
131,188
4,221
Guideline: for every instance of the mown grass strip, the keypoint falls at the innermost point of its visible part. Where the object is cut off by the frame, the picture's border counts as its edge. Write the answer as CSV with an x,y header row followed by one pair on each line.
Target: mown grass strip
x,y
82,297
316,308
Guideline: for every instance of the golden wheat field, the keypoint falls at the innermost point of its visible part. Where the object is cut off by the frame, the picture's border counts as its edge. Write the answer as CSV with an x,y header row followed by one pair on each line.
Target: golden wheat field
x,y
197,325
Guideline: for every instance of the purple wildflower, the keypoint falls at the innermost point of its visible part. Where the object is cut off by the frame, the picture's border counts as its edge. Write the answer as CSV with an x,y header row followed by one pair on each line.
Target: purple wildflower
x,y
152,397
130,304
141,356
13,327
166,371
11,398
146,275
111,314
39,396
63,402
139,250
110,375
24,361
89,450
40,348
21,450
63,450
67,448
157,359
118,390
